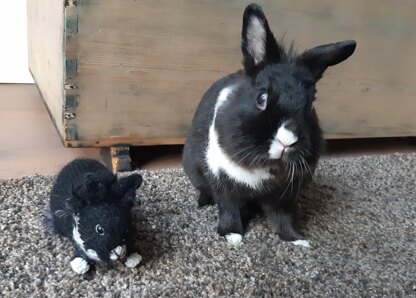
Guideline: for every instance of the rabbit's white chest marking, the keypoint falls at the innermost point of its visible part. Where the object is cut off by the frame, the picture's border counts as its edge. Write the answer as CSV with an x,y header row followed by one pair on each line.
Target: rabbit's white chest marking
x,y
218,160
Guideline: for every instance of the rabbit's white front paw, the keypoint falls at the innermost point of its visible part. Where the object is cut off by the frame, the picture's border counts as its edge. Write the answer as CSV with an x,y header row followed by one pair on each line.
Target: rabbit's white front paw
x,y
133,260
80,265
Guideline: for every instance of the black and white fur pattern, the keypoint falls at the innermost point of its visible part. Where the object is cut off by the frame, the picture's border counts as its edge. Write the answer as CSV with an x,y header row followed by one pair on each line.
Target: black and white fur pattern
x,y
92,208
255,136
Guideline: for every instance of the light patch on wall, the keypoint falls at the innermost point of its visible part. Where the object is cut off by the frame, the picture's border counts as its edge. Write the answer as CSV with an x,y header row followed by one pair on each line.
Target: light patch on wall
x,y
14,50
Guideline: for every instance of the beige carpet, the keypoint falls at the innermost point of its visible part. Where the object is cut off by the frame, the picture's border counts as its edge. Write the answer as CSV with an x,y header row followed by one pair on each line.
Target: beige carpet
x,y
360,215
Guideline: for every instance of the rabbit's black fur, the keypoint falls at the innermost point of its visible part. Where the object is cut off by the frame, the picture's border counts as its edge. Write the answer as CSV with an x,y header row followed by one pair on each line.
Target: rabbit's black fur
x,y
92,208
255,136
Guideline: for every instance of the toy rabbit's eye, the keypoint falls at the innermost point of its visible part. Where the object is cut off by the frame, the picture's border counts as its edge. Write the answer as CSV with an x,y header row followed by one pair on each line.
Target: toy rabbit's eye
x,y
99,229
261,100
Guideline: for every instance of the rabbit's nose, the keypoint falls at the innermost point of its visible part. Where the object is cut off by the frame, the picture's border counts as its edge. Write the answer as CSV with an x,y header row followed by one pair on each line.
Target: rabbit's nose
x,y
281,142
286,137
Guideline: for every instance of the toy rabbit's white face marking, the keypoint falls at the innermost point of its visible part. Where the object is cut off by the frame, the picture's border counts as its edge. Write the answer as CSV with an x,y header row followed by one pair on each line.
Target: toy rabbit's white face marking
x,y
79,265
133,260
218,160
256,36
284,138
76,236
118,252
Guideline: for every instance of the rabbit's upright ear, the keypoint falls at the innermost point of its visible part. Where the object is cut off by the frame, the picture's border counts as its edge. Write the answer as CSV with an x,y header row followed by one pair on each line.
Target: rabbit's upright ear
x,y
125,188
258,44
319,58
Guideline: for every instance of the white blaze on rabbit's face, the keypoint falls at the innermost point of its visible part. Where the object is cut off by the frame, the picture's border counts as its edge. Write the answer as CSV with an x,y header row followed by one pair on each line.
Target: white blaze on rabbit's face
x,y
283,139
218,160
92,254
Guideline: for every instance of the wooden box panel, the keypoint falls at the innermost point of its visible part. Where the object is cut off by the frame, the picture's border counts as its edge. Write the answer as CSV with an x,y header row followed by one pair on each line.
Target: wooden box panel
x,y
46,54
132,72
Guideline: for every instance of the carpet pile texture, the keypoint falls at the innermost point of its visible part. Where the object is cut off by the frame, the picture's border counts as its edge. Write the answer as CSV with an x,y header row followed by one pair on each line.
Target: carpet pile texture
x,y
359,214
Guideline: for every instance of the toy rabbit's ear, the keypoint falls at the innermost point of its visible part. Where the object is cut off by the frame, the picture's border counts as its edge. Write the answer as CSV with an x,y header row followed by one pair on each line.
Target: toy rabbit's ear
x,y
76,202
91,182
125,188
90,189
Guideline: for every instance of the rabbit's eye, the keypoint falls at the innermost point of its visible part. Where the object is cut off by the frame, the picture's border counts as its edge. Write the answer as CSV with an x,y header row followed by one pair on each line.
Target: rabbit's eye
x,y
261,100
99,229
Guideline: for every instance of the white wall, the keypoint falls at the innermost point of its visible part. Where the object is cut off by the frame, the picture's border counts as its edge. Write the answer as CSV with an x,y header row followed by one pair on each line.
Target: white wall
x,y
13,42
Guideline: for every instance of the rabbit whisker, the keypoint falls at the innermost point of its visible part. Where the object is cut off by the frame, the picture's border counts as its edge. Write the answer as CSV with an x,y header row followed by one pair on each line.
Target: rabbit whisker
x,y
306,166
287,187
301,179
293,172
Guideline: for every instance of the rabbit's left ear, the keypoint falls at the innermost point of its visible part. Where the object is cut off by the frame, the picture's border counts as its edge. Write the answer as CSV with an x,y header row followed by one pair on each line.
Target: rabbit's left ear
x,y
258,44
320,58
125,188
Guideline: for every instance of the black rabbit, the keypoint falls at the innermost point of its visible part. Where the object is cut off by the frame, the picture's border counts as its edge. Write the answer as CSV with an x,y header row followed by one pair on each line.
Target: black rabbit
x,y
255,137
92,208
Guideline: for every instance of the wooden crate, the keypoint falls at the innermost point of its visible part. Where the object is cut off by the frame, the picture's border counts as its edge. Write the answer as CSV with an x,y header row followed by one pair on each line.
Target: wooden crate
x,y
132,72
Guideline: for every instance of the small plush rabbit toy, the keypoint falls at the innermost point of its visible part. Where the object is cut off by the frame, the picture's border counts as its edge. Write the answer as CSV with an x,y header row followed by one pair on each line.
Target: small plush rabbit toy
x,y
92,208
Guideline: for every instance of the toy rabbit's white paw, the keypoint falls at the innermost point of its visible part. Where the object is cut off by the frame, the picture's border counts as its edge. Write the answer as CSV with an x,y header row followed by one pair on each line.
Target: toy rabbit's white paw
x,y
133,260
118,252
79,265
234,239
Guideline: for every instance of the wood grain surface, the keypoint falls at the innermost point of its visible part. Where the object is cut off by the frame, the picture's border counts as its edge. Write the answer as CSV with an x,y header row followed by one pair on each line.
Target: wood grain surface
x,y
144,65
46,53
